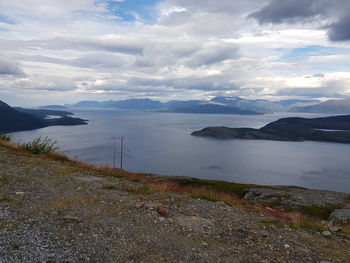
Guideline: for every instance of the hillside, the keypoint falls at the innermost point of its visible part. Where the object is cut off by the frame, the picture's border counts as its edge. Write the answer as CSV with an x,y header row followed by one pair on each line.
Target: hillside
x,y
61,211
331,129
256,105
330,106
13,120
19,119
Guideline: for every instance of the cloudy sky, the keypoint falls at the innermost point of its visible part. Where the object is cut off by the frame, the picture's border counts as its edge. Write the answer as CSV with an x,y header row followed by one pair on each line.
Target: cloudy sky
x,y
63,51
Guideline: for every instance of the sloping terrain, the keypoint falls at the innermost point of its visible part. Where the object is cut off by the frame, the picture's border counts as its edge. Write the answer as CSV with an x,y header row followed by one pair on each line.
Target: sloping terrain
x,y
19,119
52,211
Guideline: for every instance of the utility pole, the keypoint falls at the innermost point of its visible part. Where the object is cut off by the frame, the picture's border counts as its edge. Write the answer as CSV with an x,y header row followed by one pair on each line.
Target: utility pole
x,y
114,149
121,152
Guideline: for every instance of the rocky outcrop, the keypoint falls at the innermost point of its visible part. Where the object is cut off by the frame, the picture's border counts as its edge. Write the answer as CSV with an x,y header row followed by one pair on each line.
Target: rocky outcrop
x,y
297,196
342,215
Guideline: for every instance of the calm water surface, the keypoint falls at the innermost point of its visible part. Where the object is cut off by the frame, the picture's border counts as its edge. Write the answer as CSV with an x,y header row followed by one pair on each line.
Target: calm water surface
x,y
161,143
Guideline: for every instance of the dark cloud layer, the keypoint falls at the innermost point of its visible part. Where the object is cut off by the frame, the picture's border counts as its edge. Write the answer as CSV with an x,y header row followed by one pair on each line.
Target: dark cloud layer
x,y
278,11
8,67
340,30
293,11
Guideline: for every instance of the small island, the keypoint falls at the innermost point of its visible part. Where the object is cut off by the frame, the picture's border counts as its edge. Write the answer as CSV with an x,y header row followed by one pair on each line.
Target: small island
x,y
330,129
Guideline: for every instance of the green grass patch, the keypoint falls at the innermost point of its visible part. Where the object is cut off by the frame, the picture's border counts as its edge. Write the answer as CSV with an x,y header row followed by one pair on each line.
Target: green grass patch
x,y
40,145
5,137
238,190
270,222
147,189
109,187
114,175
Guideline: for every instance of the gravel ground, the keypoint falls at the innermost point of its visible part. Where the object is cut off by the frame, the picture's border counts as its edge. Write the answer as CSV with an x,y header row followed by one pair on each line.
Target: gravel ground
x,y
53,212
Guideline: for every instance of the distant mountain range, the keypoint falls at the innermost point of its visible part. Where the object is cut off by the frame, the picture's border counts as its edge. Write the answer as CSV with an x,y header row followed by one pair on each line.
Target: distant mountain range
x,y
55,107
228,104
330,106
331,129
19,119
212,109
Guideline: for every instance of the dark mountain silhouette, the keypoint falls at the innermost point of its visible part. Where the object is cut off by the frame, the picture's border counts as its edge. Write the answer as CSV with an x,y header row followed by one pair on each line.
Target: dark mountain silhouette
x,y
19,119
42,113
331,129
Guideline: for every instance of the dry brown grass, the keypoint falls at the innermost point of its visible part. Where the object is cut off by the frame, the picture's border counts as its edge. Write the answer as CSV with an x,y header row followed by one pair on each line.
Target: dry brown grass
x,y
69,202
9,144
7,200
294,220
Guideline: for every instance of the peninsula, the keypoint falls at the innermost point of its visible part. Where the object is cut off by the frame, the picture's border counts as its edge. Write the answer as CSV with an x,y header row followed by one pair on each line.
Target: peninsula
x,y
331,129
19,119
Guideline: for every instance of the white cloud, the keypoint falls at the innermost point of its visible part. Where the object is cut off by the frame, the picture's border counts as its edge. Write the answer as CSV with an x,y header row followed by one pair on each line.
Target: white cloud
x,y
195,48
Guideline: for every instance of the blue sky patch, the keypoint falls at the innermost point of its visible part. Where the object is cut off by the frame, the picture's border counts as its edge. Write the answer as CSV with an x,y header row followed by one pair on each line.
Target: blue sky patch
x,y
6,19
309,51
128,10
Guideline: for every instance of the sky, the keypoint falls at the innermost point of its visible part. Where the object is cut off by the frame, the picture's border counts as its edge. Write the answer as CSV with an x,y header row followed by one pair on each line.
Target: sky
x,y
64,51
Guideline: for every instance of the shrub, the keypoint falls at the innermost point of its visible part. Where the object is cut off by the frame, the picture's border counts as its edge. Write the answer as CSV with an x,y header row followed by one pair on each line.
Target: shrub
x,y
238,190
5,137
40,146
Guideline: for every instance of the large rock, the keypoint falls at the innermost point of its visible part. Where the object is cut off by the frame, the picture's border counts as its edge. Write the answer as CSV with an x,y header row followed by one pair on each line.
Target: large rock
x,y
340,215
296,196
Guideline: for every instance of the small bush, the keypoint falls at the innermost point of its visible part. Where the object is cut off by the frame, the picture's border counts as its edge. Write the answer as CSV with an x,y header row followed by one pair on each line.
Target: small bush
x,y
148,189
5,137
109,187
40,145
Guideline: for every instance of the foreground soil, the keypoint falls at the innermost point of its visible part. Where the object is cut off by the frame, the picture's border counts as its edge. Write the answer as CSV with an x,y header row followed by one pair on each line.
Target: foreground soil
x,y
54,212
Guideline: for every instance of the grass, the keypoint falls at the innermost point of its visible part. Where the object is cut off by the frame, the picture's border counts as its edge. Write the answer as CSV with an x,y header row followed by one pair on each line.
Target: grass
x,y
7,200
298,220
319,212
270,222
70,202
40,145
5,137
239,190
8,225
109,187
148,189
293,219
